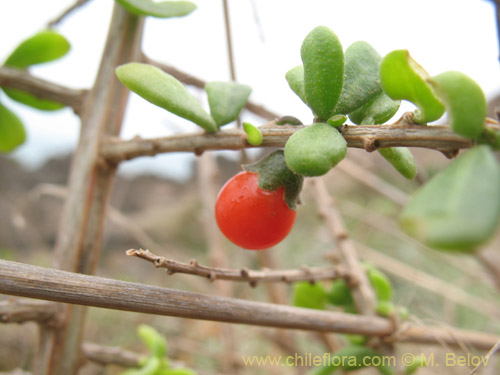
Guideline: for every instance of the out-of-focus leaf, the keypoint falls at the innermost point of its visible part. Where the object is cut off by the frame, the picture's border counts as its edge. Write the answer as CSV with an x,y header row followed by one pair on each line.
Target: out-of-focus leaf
x,y
31,100
153,340
12,133
42,47
311,296
465,102
459,208
403,79
163,9
226,100
164,91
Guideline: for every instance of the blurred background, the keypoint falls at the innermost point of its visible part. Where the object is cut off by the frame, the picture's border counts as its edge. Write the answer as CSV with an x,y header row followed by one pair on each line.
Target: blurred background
x,y
156,201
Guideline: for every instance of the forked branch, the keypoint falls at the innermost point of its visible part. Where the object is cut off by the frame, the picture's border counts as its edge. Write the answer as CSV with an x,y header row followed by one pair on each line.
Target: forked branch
x,y
251,276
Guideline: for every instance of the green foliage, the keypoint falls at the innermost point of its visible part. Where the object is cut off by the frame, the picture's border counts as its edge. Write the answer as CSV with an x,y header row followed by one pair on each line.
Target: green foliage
x,y
465,102
323,61
226,100
459,208
163,9
401,159
403,78
12,133
315,149
311,296
295,79
165,91
156,363
379,109
418,361
339,293
380,283
254,136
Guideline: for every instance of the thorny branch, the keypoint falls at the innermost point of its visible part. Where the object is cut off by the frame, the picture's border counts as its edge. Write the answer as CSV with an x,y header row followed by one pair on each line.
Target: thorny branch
x,y
251,276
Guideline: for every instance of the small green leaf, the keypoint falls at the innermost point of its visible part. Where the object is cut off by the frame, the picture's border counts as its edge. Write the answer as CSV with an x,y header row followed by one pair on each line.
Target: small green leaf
x,y
164,91
361,77
12,133
311,296
176,371
164,9
153,340
401,159
459,208
465,102
402,78
226,100
150,367
42,47
384,308
323,61
337,120
379,109
381,284
315,149
418,361
32,101
295,79
339,293
254,136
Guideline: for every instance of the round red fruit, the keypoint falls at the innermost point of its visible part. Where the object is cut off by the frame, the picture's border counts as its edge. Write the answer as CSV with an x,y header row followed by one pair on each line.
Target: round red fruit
x,y
251,217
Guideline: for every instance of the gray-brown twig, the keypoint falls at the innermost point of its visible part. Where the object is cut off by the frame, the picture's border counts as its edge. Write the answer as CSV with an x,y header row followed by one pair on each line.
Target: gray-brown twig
x,y
245,275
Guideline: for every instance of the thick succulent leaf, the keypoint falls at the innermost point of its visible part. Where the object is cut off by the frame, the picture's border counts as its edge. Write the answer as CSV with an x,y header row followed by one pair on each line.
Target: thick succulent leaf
x,y
465,102
459,208
42,47
323,60
226,100
155,342
31,100
378,110
315,149
401,159
254,135
12,133
295,79
311,296
361,77
164,91
164,9
403,79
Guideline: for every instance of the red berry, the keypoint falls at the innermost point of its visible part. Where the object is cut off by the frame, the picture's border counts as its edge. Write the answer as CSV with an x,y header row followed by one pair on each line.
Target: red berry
x,y
251,217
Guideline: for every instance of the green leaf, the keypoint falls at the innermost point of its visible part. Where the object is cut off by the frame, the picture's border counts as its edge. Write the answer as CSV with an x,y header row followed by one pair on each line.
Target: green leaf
x,y
339,293
43,47
384,308
32,101
402,78
12,133
155,342
361,77
311,296
254,136
381,284
315,149
418,361
465,102
226,100
151,366
164,9
295,79
164,91
378,110
337,120
459,208
401,159
176,371
323,61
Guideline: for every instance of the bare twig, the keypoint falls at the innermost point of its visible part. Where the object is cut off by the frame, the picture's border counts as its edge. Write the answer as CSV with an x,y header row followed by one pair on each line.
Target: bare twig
x,y
486,358
362,292
23,310
433,137
67,12
245,275
23,80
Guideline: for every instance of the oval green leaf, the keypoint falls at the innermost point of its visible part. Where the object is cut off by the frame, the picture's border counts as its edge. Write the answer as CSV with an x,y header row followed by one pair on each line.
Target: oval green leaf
x,y
361,77
459,208
226,100
403,79
155,342
311,296
323,60
465,102
42,47
295,79
380,283
165,91
254,136
12,133
32,101
378,110
164,9
339,293
315,149
401,159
